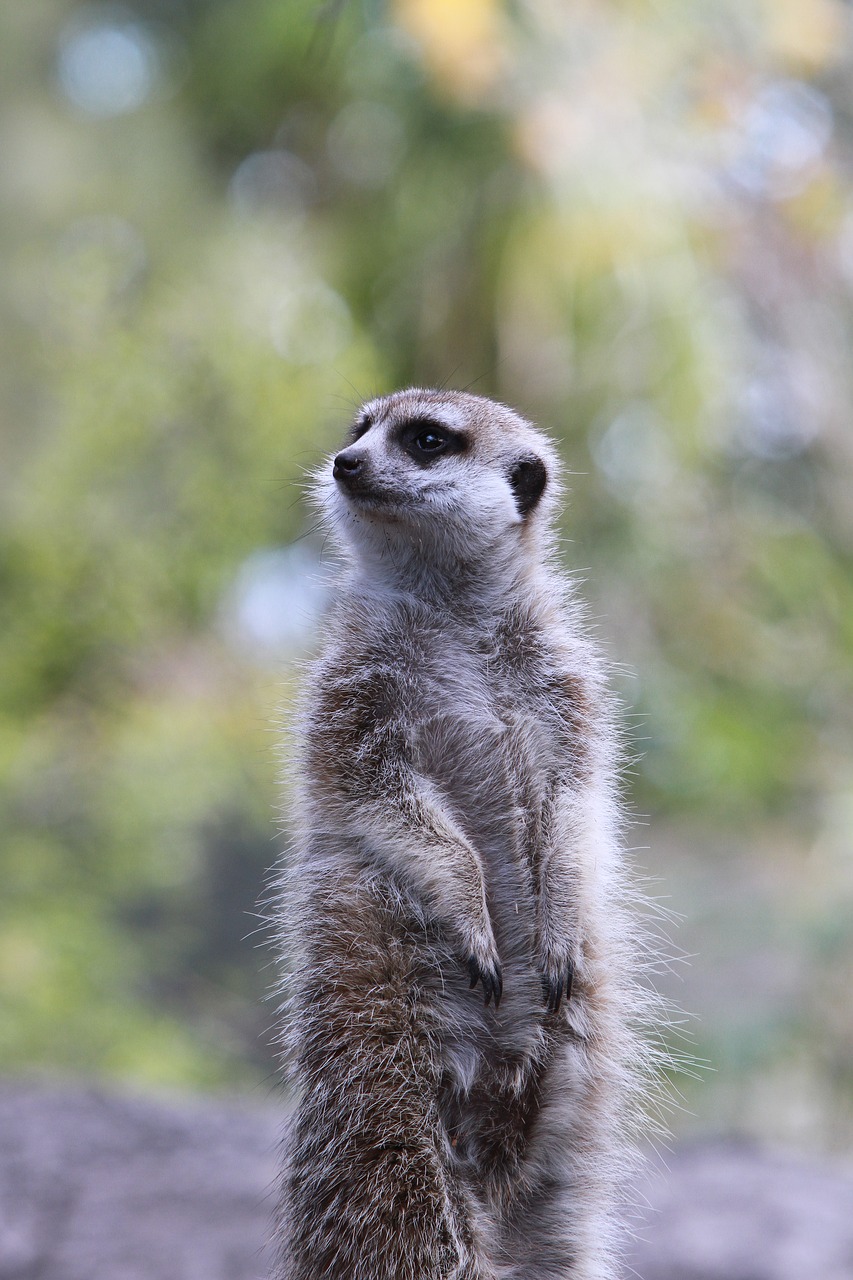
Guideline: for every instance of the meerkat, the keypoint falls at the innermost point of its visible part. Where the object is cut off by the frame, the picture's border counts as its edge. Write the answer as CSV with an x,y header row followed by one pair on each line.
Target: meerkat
x,y
462,993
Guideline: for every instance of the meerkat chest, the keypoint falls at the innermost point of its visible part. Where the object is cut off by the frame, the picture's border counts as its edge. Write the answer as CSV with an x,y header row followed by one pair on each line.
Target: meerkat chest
x,y
459,728
486,743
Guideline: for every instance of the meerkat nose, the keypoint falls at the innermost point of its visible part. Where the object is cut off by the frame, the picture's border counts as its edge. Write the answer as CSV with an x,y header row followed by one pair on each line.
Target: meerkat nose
x,y
347,465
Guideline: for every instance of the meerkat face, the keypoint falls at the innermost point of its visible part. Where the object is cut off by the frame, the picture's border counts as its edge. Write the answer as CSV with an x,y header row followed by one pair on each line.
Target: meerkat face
x,y
437,467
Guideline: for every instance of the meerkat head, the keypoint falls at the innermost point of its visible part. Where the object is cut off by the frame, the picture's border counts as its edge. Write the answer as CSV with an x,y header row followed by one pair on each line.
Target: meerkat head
x,y
442,475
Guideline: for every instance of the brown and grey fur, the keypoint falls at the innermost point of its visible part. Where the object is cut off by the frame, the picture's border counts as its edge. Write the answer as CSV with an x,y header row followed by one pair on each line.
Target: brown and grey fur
x,y
463,990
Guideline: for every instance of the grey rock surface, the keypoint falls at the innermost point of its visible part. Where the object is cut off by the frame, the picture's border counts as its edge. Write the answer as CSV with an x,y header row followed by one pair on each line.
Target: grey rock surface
x,y
103,1186
726,1211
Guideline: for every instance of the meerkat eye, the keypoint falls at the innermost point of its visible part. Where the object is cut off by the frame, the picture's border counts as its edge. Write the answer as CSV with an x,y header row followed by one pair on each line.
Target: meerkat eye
x,y
430,441
424,440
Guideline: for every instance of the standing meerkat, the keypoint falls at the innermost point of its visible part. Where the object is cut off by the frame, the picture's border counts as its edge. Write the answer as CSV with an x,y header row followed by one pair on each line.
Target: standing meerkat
x,y
462,995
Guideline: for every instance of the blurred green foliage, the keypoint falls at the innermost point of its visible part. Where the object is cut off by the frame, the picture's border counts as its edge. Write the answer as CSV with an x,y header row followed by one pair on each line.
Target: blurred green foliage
x,y
224,223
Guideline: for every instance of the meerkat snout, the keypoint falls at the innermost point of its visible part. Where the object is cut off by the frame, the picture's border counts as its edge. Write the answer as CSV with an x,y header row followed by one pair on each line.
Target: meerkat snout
x,y
347,463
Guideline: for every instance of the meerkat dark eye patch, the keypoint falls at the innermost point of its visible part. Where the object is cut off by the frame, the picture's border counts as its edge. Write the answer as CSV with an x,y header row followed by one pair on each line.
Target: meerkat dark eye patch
x,y
362,423
425,440
527,479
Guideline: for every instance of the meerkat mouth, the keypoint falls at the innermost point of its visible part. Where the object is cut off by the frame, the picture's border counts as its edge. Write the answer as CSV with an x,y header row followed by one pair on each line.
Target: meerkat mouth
x,y
382,501
369,496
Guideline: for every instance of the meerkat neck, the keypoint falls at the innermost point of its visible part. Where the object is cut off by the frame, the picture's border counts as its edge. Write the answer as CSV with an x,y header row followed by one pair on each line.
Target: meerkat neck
x,y
468,587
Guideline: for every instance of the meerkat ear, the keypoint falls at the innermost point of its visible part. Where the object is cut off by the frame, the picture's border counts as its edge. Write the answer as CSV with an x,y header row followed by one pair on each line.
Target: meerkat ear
x,y
527,479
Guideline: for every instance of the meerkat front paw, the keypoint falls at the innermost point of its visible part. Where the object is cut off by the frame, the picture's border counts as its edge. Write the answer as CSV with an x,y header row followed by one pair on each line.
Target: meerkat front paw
x,y
490,976
484,965
558,976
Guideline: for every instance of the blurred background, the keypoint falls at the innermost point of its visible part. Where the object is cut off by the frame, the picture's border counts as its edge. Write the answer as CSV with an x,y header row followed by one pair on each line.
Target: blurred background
x,y
222,225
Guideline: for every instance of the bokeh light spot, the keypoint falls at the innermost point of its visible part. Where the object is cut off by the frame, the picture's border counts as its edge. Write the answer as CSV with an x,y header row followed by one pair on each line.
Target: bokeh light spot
x,y
275,600
783,133
633,454
310,326
365,143
108,64
272,182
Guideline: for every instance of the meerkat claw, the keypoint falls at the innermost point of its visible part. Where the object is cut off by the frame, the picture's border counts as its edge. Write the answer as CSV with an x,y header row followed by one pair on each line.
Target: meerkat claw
x,y
491,979
557,986
553,990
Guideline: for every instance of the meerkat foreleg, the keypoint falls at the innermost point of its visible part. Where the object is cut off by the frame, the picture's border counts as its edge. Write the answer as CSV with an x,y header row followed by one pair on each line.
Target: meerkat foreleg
x,y
559,902
399,817
422,843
